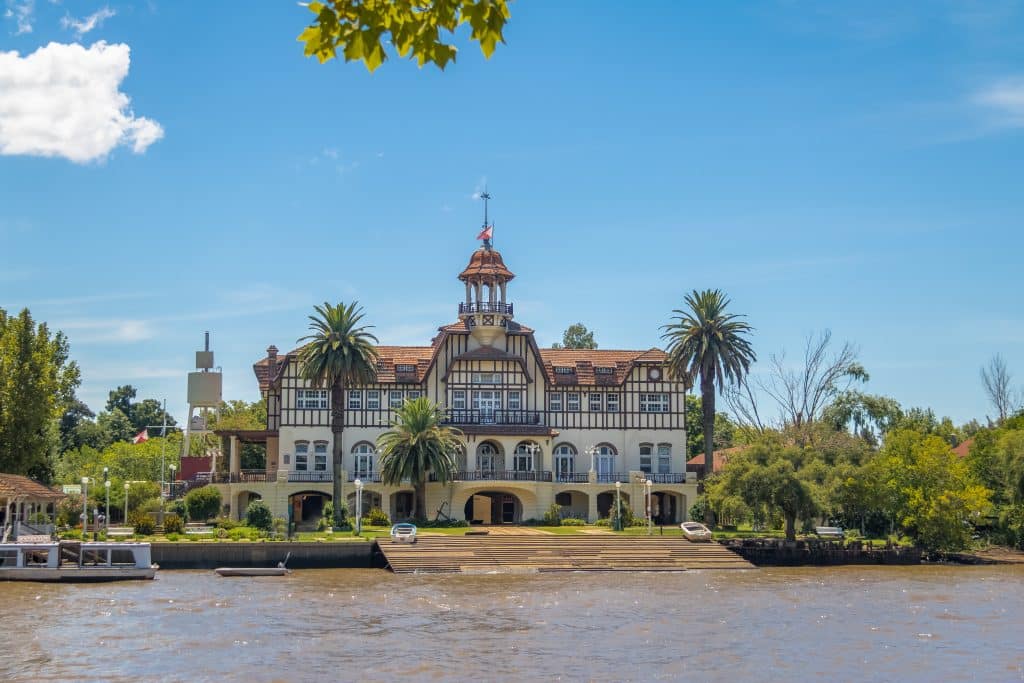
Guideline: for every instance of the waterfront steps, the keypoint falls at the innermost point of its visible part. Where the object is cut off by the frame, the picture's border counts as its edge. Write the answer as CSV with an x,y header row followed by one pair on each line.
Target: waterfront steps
x,y
550,553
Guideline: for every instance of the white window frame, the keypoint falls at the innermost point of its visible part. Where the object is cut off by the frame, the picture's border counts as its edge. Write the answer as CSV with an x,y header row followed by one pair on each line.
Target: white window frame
x,y
362,460
522,459
564,453
355,399
612,403
485,378
555,401
319,456
515,400
373,399
654,403
395,399
312,399
664,458
486,455
459,399
572,401
412,394
605,458
301,456
647,456
594,402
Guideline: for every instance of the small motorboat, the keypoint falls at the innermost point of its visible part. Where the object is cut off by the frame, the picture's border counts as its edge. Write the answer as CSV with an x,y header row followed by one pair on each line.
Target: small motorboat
x,y
403,533
279,570
73,561
695,531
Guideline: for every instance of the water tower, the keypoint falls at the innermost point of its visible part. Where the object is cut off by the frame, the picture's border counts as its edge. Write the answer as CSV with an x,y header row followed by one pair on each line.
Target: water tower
x,y
204,394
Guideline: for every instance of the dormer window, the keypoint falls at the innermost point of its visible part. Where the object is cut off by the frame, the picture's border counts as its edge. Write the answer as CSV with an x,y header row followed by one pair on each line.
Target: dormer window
x,y
405,367
604,371
564,370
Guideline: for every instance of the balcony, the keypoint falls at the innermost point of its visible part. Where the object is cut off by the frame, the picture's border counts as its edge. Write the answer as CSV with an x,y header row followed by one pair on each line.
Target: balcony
x,y
494,417
245,476
675,478
572,478
485,307
365,477
315,476
612,477
500,475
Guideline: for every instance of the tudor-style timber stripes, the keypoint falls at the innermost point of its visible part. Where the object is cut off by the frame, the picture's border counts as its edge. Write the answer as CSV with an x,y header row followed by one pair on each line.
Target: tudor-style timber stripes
x,y
540,426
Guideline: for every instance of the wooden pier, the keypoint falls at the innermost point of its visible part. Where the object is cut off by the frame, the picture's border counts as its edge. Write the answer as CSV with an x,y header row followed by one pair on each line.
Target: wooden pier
x,y
554,553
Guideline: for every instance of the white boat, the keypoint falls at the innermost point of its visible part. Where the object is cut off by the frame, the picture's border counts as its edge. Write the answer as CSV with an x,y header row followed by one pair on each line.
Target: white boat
x,y
253,571
76,562
403,533
695,531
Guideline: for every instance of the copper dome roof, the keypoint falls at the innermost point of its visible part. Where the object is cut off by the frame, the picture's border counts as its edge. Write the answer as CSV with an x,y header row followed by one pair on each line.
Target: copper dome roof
x,y
486,263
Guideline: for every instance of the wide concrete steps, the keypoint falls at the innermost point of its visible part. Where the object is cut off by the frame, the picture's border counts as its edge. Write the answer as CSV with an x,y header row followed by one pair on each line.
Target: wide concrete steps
x,y
482,554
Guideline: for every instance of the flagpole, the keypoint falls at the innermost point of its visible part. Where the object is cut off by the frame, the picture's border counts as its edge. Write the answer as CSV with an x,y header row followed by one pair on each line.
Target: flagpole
x,y
163,451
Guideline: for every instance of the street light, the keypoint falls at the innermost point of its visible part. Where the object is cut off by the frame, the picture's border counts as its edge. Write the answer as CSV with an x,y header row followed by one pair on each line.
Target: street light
x,y
126,487
85,508
592,451
532,450
359,506
106,509
647,485
618,507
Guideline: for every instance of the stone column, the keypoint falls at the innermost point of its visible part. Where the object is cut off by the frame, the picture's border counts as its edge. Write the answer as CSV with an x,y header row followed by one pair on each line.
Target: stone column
x,y
592,505
235,464
503,291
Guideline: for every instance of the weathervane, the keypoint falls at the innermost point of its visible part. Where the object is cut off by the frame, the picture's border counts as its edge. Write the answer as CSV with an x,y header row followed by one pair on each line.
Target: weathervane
x,y
488,230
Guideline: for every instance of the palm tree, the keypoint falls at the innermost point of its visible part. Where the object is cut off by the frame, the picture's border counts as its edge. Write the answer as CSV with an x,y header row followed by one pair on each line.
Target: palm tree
x,y
708,343
418,444
339,352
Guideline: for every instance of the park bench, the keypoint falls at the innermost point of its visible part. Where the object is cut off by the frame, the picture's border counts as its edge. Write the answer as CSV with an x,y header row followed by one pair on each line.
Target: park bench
x,y
828,531
120,532
194,528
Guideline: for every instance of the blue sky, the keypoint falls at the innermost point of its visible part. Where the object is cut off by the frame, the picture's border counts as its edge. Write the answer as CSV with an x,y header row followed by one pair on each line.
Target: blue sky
x,y
851,168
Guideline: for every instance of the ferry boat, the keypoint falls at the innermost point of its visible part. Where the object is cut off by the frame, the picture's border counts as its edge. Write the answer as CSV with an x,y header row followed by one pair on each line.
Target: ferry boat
x,y
75,561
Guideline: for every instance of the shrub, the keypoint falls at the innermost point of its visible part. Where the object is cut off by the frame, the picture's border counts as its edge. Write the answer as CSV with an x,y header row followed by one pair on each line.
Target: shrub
x,y
68,511
377,517
243,533
441,523
150,505
574,521
173,524
226,523
221,533
603,522
323,524
203,503
178,507
172,537
280,526
39,518
553,516
258,516
142,523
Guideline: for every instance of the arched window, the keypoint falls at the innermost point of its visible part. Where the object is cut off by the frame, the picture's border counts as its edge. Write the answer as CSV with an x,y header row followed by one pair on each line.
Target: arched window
x,y
522,460
565,461
664,458
301,456
486,456
646,451
320,456
605,460
362,460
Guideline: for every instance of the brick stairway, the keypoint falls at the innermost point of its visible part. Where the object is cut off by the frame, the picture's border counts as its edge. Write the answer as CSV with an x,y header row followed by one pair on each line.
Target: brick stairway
x,y
556,553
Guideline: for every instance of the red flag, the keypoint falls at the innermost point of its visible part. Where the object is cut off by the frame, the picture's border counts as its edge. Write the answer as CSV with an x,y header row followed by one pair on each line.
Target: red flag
x,y
141,436
485,234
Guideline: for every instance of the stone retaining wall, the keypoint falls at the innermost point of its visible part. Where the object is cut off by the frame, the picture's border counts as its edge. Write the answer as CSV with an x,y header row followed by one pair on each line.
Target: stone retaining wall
x,y
352,555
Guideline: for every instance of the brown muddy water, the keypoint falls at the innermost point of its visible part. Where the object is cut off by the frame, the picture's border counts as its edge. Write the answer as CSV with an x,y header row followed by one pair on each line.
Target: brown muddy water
x,y
841,624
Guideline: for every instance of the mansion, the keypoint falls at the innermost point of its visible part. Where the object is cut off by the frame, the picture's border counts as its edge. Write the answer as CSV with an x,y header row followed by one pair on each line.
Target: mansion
x,y
540,426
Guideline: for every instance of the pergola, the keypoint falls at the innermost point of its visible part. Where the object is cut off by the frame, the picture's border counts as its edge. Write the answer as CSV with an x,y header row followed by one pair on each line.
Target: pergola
x,y
22,497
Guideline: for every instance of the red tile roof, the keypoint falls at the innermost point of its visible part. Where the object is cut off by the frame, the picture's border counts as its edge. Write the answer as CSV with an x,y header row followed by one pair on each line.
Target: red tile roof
x,y
486,264
964,449
721,457
12,485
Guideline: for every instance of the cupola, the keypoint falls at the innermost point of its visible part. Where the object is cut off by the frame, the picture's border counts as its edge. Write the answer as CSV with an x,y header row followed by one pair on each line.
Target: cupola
x,y
486,309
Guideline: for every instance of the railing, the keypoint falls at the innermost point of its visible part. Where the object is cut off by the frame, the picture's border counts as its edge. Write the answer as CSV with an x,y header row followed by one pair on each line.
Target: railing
x,y
494,417
367,477
572,478
674,478
499,475
298,476
612,477
485,307
245,476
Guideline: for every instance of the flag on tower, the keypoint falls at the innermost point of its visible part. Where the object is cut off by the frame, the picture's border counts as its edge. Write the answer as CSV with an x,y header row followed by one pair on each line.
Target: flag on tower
x,y
141,436
486,233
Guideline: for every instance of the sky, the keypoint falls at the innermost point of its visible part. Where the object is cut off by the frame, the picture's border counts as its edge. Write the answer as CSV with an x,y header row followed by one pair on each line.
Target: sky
x,y
168,168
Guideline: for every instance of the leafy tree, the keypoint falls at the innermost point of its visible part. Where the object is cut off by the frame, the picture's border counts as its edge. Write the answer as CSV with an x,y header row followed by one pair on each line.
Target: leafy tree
x,y
239,414
258,516
418,444
75,415
116,425
203,503
725,428
121,399
576,336
361,28
924,421
148,413
866,415
37,386
708,343
339,352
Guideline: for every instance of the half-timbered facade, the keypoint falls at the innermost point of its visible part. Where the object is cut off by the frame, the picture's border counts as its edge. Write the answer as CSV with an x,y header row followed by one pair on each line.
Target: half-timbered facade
x,y
541,426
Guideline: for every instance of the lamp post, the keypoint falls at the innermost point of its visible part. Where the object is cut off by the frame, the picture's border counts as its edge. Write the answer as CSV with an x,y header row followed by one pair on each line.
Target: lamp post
x,y
592,451
359,506
532,450
170,484
618,507
647,485
85,508
126,487
106,509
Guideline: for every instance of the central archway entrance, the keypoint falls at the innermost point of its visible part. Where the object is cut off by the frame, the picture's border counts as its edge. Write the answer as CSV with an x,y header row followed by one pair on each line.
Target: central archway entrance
x,y
494,507
307,507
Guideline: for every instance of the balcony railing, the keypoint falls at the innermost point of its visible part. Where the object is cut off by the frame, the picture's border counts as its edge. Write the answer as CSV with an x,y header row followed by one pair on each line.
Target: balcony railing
x,y
485,307
500,475
572,478
366,477
674,478
612,477
315,476
245,476
494,417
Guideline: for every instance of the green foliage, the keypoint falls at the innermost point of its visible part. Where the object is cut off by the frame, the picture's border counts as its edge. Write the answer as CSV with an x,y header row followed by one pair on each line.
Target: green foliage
x,y
361,29
140,415
244,533
143,524
724,433
125,461
68,511
377,517
441,523
203,503
238,414
258,516
173,524
418,444
574,521
623,513
37,386
604,521
226,523
553,515
576,336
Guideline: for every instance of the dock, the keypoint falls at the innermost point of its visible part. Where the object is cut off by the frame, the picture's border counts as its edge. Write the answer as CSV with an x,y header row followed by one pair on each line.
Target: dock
x,y
555,553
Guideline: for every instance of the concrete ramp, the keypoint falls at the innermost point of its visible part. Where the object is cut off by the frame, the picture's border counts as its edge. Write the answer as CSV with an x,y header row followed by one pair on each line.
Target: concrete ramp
x,y
552,553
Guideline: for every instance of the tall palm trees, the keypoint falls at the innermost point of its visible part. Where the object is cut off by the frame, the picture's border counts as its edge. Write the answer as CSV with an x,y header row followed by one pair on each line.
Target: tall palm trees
x,y
339,352
708,343
418,444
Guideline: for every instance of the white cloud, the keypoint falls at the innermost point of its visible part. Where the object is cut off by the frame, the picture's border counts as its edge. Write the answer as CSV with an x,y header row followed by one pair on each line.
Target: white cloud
x,y
107,331
22,15
1004,100
94,20
63,100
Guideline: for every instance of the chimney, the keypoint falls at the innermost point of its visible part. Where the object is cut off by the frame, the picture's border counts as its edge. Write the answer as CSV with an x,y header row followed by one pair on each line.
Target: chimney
x,y
272,360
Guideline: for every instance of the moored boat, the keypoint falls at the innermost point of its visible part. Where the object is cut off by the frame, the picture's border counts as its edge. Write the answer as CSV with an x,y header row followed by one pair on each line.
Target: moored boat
x,y
74,561
252,571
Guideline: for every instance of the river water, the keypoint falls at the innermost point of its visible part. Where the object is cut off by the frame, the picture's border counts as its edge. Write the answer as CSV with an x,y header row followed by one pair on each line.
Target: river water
x,y
843,624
